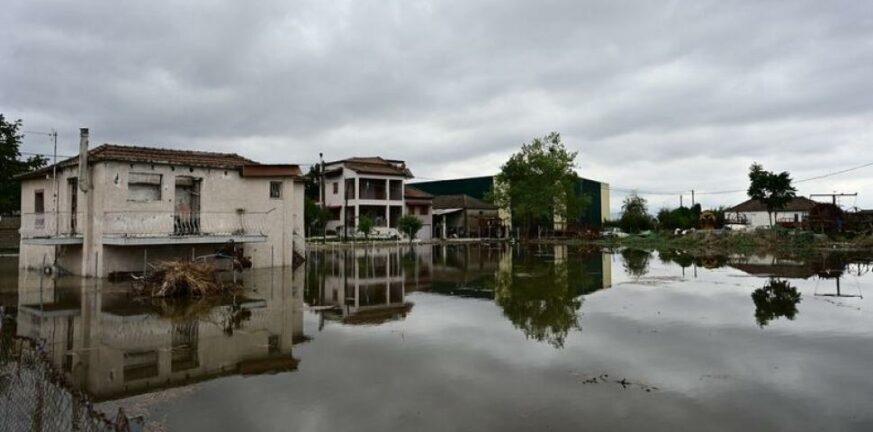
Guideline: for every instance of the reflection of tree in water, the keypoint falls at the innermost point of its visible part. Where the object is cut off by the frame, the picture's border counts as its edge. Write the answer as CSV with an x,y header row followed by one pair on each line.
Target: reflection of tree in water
x,y
776,299
636,262
540,300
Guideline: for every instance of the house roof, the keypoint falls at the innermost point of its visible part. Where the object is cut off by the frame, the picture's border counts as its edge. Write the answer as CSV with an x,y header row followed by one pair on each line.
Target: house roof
x,y
461,201
410,192
375,165
115,152
752,205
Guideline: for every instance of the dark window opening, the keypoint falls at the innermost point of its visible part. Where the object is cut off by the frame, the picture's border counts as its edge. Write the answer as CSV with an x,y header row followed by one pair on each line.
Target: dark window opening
x,y
373,189
275,189
396,190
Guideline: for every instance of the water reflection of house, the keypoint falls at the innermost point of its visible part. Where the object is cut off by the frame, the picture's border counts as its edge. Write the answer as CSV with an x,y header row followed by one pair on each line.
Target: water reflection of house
x,y
114,348
363,286
466,270
772,266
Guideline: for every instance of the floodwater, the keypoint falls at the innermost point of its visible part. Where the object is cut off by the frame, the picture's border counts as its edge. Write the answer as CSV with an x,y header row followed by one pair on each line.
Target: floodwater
x,y
457,338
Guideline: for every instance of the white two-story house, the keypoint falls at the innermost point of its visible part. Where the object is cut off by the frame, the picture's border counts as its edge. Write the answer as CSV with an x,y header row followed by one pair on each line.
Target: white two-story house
x,y
368,186
124,206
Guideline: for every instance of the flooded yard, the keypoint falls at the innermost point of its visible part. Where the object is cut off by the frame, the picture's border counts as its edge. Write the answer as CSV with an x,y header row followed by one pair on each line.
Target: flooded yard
x,y
476,337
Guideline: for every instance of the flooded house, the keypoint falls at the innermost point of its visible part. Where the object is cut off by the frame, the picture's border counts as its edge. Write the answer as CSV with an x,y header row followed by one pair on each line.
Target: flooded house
x,y
365,186
465,216
113,208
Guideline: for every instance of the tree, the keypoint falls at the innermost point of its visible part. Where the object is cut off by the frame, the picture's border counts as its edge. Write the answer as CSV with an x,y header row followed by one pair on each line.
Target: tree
x,y
409,225
11,165
365,226
314,216
773,190
635,214
539,184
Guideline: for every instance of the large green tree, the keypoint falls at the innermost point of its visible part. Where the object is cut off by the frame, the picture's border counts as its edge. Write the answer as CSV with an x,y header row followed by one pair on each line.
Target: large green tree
x,y
774,190
539,184
635,214
11,165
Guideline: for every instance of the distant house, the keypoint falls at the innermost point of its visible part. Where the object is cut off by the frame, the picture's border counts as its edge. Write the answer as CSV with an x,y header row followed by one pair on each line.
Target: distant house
x,y
478,187
753,213
364,186
420,205
125,205
465,216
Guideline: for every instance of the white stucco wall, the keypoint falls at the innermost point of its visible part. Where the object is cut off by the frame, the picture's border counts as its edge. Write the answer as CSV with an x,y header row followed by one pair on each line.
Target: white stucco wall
x,y
110,212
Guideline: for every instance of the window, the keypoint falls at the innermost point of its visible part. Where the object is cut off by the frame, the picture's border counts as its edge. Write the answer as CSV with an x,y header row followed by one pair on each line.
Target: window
x,y
143,187
350,188
275,189
335,188
372,189
39,201
396,190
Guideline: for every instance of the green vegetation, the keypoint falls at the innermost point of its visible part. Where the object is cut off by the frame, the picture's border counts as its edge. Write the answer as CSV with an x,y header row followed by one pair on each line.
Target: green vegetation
x,y
11,165
539,184
635,215
365,226
409,225
774,190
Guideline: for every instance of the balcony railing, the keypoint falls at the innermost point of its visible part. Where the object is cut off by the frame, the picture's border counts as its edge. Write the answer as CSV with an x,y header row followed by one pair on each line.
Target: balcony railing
x,y
146,224
46,225
168,223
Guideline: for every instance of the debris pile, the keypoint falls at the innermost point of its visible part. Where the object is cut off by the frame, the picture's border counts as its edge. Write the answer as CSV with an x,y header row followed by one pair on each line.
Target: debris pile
x,y
185,279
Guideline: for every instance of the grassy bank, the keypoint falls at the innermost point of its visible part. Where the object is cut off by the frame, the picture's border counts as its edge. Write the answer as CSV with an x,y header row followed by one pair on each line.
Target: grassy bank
x,y
725,242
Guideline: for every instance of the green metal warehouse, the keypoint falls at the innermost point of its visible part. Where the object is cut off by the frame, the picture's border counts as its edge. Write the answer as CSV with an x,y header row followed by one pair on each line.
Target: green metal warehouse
x,y
478,187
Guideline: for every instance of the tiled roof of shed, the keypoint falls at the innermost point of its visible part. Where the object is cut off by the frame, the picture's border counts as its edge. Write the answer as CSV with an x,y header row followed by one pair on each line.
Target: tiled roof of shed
x,y
752,205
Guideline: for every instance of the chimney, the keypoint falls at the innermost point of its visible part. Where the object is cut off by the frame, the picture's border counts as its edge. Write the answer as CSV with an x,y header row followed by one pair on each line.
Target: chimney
x,y
83,160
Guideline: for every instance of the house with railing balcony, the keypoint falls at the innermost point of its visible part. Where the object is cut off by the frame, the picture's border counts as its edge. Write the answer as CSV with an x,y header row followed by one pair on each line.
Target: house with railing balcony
x,y
364,186
113,207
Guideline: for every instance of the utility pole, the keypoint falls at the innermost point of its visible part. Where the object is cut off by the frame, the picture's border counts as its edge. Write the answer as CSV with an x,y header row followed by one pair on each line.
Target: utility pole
x,y
681,204
834,196
323,193
692,197
54,136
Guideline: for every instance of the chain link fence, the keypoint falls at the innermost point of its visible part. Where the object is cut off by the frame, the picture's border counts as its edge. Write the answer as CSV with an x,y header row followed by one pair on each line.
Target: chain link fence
x,y
34,396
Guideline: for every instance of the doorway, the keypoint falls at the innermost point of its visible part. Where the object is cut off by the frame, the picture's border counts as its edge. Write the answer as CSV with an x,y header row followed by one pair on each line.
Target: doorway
x,y
187,208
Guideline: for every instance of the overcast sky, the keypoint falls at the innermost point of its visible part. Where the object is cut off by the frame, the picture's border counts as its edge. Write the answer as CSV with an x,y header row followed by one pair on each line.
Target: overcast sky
x,y
656,96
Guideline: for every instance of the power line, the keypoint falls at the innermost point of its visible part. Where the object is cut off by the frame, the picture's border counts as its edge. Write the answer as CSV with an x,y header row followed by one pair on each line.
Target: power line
x,y
722,192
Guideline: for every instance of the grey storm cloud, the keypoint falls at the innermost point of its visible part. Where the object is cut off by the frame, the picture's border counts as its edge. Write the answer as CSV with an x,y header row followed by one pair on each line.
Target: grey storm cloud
x,y
659,96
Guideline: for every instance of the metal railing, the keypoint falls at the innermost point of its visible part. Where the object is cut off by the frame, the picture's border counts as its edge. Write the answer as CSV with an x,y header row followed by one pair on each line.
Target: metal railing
x,y
36,225
168,223
147,223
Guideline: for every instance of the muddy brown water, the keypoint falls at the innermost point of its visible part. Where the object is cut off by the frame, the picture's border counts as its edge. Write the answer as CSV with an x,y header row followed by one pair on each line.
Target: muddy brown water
x,y
452,338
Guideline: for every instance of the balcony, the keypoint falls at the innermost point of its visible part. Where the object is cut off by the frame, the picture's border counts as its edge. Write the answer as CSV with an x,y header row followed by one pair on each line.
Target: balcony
x,y
166,227
128,228
51,228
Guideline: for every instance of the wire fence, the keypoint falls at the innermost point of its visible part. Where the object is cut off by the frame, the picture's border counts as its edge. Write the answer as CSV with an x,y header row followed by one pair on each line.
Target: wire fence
x,y
34,396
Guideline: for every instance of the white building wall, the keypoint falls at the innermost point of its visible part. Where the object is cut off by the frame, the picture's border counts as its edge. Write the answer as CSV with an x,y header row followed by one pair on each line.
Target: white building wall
x,y
222,193
338,199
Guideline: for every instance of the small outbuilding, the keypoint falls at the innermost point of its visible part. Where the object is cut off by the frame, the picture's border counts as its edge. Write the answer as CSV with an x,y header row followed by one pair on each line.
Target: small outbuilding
x,y
753,213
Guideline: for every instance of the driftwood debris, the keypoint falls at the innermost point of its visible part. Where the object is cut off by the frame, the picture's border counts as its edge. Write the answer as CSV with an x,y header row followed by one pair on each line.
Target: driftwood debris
x,y
185,279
